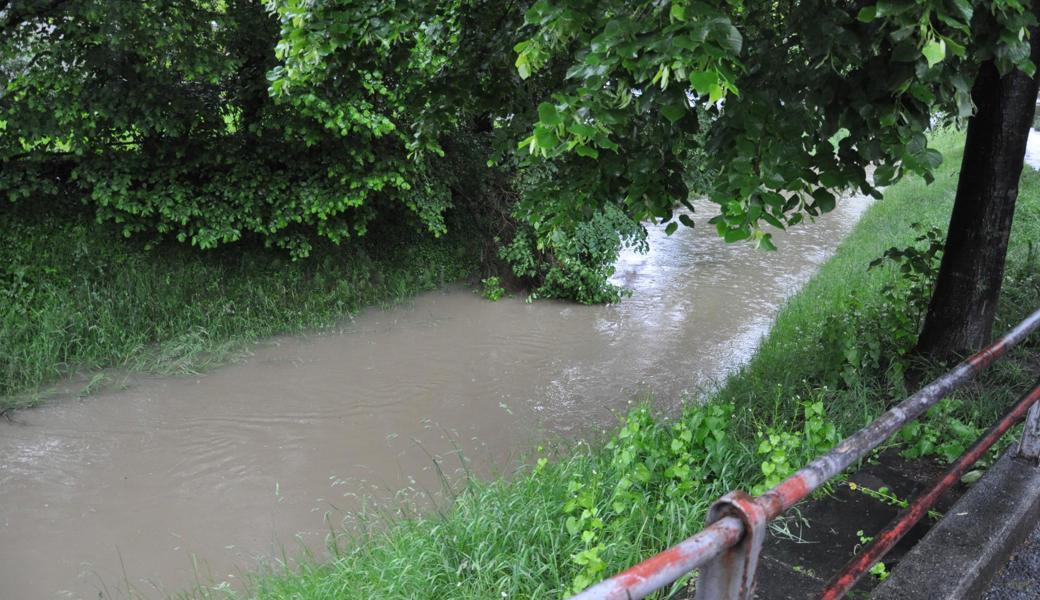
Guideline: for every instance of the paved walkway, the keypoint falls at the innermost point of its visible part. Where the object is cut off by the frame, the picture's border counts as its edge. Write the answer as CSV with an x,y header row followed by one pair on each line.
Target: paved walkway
x,y
1020,579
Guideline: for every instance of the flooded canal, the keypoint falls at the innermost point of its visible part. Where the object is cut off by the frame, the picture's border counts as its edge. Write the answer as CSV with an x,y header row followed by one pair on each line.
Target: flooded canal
x,y
177,480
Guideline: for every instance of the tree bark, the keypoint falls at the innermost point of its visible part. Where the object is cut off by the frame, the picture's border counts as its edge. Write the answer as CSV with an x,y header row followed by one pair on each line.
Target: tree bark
x,y
963,306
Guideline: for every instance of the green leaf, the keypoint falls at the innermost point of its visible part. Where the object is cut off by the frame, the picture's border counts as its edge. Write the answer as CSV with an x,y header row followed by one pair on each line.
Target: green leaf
x,y
884,174
933,158
671,228
888,8
959,50
545,138
831,179
922,93
702,81
1027,66
735,235
548,114
673,112
523,64
971,476
768,218
965,9
686,220
604,141
582,129
824,200
934,52
729,38
716,93
867,14
584,150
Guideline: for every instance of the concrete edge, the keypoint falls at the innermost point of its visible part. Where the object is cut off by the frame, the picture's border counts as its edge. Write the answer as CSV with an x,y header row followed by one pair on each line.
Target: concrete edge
x,y
961,554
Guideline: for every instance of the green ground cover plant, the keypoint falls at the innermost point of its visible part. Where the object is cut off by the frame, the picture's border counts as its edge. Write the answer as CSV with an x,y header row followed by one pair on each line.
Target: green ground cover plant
x,y
582,512
76,296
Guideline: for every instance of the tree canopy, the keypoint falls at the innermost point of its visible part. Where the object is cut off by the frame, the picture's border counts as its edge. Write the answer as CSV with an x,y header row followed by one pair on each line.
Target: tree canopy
x,y
158,114
802,95
559,125
786,103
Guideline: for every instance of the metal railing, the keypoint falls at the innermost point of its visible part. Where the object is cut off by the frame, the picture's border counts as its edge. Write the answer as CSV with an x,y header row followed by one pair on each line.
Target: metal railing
x,y
726,551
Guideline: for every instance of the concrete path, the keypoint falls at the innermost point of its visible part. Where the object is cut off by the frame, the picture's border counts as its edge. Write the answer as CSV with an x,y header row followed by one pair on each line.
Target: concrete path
x,y
1020,578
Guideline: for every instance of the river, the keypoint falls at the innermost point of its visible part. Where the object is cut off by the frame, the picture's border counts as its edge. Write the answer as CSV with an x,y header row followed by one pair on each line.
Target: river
x,y
172,481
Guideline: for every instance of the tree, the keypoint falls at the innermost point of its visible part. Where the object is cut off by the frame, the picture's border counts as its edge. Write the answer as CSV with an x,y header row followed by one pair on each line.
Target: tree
x,y
157,115
784,81
786,103
560,125
441,83
960,316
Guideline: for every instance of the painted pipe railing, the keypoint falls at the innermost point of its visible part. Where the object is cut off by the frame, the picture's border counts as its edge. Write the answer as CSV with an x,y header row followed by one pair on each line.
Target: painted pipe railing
x,y
923,502
726,551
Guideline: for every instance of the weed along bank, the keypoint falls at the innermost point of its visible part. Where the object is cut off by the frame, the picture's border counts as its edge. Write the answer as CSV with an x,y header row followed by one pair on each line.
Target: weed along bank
x,y
727,551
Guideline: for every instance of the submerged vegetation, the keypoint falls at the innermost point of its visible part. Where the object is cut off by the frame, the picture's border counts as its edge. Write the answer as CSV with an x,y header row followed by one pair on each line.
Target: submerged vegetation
x,y
75,297
574,516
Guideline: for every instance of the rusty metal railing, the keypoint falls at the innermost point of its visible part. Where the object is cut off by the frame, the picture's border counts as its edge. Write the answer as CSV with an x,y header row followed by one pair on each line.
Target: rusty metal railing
x,y
919,506
726,551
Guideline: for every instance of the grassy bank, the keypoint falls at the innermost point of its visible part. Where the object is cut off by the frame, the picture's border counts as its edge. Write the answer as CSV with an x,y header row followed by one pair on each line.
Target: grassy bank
x,y
78,297
580,513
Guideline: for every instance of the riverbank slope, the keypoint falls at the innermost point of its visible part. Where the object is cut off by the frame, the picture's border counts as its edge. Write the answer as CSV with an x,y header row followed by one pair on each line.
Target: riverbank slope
x,y
78,298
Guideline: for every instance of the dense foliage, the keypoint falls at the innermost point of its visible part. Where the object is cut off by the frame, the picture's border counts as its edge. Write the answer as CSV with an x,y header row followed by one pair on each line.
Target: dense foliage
x,y
190,120
555,127
165,125
435,84
803,96
784,103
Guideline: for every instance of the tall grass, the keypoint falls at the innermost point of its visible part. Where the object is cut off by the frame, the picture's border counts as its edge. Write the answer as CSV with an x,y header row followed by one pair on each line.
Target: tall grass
x,y
497,539
509,538
75,296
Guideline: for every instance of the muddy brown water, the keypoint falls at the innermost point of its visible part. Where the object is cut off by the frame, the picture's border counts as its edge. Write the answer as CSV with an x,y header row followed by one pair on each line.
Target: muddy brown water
x,y
174,481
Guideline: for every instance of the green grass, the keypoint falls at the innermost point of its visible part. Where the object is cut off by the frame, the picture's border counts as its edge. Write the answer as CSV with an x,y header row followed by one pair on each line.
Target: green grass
x,y
496,539
796,354
522,536
76,297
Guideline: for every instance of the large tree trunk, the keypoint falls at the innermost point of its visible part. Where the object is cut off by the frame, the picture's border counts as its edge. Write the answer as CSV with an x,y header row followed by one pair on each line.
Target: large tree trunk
x,y
960,316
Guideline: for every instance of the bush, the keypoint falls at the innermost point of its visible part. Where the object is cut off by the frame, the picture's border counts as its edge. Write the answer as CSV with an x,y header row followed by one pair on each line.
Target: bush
x,y
875,338
574,264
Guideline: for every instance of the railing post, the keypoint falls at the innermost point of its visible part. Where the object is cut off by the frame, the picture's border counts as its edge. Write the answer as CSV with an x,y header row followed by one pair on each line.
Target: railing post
x,y
1029,447
731,575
